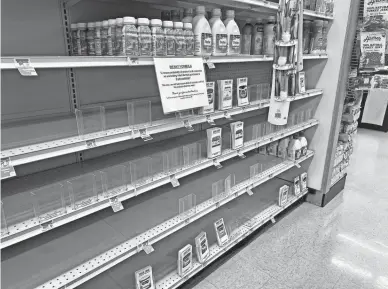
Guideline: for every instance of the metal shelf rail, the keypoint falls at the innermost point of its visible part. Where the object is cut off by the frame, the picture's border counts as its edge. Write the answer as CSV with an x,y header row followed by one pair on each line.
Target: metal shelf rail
x,y
28,229
118,254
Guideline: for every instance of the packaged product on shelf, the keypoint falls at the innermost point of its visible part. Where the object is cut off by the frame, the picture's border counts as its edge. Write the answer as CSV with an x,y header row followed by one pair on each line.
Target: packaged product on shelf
x,y
263,150
301,82
185,260
294,149
144,278
210,86
189,38
325,28
158,44
222,234
234,36
170,38
118,49
219,34
73,35
317,37
97,38
257,38
104,37
283,195
145,39
303,143
272,148
175,15
242,91
282,147
188,15
320,6
297,186
130,40
82,47
329,7
165,15
202,247
269,36
202,33
225,94
180,47
214,140
372,49
246,38
303,182
237,129
292,83
111,36
90,38
307,24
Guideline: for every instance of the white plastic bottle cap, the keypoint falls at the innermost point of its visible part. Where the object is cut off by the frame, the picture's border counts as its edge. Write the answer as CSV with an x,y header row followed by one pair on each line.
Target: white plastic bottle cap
x,y
112,22
187,26
216,12
129,20
105,23
119,21
98,24
156,22
73,26
230,13
271,19
143,21
91,25
167,24
178,25
81,25
200,10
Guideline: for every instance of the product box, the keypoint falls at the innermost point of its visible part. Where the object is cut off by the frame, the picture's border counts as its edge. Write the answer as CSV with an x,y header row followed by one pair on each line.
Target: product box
x,y
144,278
237,134
283,195
210,87
222,234
185,260
242,91
214,141
303,182
301,82
225,94
272,148
297,186
202,247
282,148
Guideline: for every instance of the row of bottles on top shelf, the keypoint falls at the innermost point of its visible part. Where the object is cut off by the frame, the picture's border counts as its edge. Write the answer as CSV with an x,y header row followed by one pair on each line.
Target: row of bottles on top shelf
x,y
171,36
321,6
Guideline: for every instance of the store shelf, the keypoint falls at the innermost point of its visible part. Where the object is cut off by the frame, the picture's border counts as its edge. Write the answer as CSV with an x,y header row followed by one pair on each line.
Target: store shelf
x,y
111,61
173,280
36,152
118,254
315,56
30,228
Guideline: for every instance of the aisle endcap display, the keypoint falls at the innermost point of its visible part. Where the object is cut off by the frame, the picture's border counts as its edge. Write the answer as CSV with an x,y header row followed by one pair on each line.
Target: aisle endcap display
x,y
95,266
143,128
131,187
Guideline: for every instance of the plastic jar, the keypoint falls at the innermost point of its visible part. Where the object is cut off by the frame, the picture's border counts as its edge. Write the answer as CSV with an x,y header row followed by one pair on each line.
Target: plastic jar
x,y
97,38
188,15
82,47
316,39
145,39
189,38
169,37
306,36
219,34
104,37
246,39
180,47
130,39
158,40
119,50
234,36
325,28
90,38
257,38
111,36
269,36
73,31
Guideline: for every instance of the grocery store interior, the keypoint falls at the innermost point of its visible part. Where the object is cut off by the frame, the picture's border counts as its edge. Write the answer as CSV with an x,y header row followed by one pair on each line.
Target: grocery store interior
x,y
194,144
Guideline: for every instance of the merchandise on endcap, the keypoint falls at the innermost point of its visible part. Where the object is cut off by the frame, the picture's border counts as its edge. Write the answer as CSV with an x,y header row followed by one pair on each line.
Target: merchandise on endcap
x,y
144,278
185,260
202,33
242,91
283,195
237,129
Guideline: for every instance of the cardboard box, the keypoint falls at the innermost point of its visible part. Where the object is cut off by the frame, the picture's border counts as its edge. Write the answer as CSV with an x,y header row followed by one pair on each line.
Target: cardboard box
x,y
202,247
222,234
225,94
283,195
242,91
214,142
185,260
237,129
210,86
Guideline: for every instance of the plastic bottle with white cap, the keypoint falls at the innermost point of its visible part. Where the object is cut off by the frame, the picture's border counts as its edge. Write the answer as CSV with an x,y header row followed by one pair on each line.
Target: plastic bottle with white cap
x,y
189,38
82,48
145,41
131,40
180,47
97,38
90,39
188,15
74,29
158,39
234,35
169,35
119,49
202,33
104,37
111,36
219,34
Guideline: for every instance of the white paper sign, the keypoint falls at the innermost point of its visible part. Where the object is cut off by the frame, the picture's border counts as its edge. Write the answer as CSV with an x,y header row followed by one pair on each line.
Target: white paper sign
x,y
182,83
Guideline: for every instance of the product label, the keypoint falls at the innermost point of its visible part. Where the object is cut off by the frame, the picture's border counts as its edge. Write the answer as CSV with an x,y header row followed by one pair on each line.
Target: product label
x,y
170,44
246,44
221,43
189,45
158,45
258,44
131,44
234,44
210,97
145,44
180,45
372,49
206,42
225,93
379,81
242,91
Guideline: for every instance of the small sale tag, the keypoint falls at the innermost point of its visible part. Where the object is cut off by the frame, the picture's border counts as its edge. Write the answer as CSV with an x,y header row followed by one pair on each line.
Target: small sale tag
x,y
7,170
24,67
273,220
210,120
91,143
133,60
188,125
217,164
116,204
144,135
249,191
148,249
174,181
210,65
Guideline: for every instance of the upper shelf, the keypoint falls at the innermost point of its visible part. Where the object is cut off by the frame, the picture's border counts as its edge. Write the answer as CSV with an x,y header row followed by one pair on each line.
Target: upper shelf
x,y
107,61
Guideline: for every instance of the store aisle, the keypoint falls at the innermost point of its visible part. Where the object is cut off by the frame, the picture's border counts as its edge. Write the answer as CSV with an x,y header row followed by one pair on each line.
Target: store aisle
x,y
341,246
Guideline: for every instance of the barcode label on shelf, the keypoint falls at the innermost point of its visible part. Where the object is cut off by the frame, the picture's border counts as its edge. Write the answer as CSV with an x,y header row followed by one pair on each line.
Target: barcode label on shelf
x,y
217,164
24,66
174,181
227,115
116,204
47,226
241,155
273,220
133,60
7,170
148,249
91,143
297,165
188,125
210,65
144,135
210,120
249,191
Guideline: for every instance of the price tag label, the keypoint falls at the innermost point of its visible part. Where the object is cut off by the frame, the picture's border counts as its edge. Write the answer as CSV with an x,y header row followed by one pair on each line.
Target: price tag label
x,y
210,65
116,204
91,143
47,226
210,120
217,164
188,220
144,135
148,249
241,155
297,165
7,170
133,60
273,220
188,125
24,66
249,191
174,181
227,115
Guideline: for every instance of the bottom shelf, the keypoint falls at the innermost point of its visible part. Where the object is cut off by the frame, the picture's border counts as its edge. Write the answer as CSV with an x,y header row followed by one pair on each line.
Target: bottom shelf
x,y
173,280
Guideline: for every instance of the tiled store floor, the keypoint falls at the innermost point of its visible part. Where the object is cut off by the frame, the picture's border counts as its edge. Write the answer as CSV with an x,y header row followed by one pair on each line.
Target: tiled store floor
x,y
344,245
